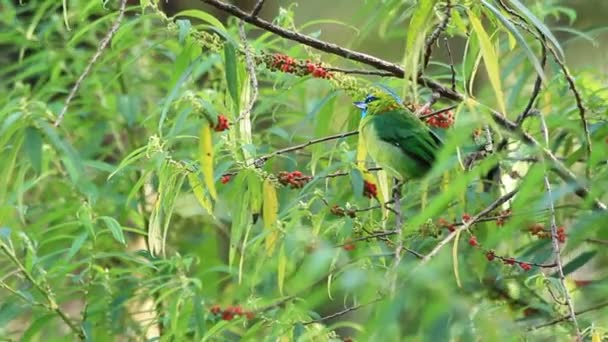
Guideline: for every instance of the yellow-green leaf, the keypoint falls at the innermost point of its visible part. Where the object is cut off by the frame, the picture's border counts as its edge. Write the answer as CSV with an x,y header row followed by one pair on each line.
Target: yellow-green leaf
x,y
270,214
490,59
282,267
197,189
205,158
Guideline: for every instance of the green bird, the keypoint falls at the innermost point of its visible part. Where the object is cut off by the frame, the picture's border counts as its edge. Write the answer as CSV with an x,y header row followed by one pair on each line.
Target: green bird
x,y
395,138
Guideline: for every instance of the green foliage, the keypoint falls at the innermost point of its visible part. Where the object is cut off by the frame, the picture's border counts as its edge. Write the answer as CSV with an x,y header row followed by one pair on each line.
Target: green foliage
x,y
179,200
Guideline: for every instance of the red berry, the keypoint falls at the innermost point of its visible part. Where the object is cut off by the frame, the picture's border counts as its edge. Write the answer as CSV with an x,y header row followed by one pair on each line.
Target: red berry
x,y
310,67
222,123
349,247
509,261
225,179
490,255
215,309
369,189
466,218
227,315
525,266
473,241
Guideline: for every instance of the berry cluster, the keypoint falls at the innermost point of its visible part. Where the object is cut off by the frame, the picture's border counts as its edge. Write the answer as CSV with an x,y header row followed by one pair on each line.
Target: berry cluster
x,y
348,245
502,217
339,211
539,231
441,120
295,179
222,123
443,223
290,65
491,256
370,190
230,312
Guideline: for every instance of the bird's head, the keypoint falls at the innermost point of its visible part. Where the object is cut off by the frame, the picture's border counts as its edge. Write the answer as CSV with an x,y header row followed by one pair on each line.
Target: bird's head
x,y
376,102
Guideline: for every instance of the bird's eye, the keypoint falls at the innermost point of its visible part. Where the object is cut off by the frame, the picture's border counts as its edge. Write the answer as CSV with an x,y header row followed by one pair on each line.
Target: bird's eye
x,y
370,98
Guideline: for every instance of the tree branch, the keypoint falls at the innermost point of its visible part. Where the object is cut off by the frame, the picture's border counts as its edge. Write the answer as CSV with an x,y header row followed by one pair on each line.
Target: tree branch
x,y
563,318
100,49
437,32
555,240
263,159
257,8
468,224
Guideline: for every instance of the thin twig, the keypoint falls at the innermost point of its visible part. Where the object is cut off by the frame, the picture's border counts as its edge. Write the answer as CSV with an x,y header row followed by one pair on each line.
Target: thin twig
x,y
443,110
360,71
452,70
257,8
563,318
536,90
437,32
341,312
555,240
468,224
48,295
434,98
263,159
100,49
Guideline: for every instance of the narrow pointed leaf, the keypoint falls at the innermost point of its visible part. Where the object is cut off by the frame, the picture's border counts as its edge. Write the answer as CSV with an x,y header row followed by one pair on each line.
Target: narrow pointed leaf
x,y
205,158
490,59
514,32
270,215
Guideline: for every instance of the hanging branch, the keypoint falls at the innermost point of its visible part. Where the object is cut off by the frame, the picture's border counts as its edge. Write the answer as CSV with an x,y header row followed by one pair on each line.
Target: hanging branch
x,y
263,159
100,49
257,8
554,238
428,49
342,312
467,224
563,318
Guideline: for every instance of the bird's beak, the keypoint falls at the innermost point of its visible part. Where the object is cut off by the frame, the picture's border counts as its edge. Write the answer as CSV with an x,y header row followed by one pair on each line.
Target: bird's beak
x,y
360,104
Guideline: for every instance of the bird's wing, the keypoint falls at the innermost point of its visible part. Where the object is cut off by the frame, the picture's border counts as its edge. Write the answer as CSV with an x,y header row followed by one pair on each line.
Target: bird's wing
x,y
407,132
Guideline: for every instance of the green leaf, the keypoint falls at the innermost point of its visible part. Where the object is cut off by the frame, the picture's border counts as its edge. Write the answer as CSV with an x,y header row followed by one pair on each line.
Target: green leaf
x,y
76,245
34,328
538,24
490,58
204,16
232,75
115,228
356,181
577,263
33,147
519,38
184,26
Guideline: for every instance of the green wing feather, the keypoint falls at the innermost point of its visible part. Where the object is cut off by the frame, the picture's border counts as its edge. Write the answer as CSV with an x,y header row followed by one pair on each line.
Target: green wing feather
x,y
404,145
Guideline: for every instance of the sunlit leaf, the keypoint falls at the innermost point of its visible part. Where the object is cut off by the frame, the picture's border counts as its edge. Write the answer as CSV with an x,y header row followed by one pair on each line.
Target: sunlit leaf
x,y
270,215
490,59
205,157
